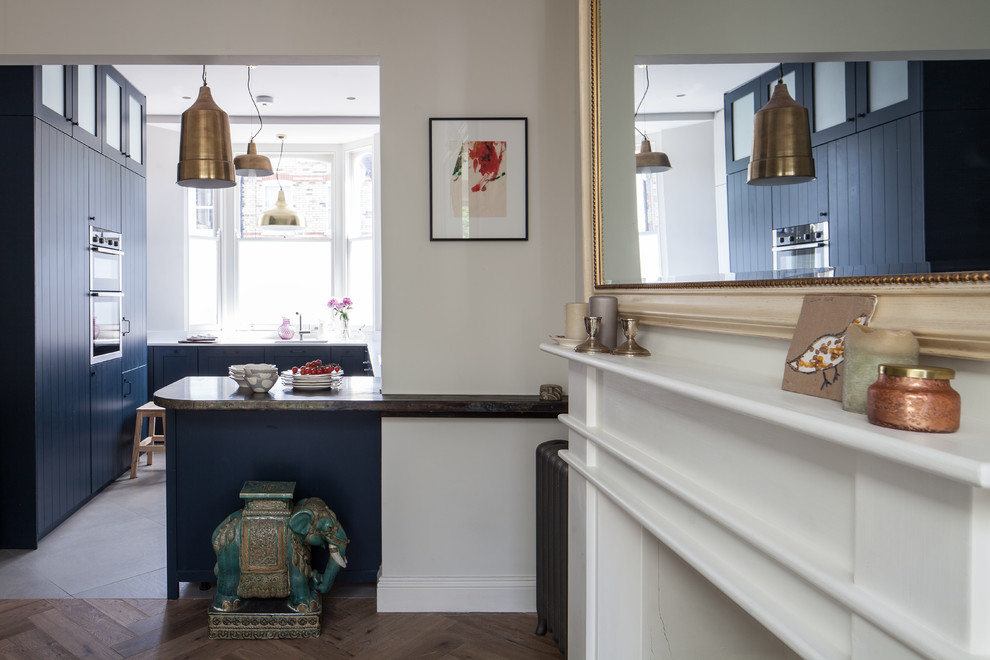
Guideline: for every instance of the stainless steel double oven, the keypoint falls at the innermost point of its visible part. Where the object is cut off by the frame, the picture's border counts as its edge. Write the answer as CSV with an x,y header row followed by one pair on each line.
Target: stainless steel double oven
x,y
106,293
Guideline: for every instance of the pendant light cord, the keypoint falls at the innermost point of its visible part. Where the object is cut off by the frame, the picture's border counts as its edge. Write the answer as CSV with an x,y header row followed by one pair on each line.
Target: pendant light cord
x,y
251,94
279,166
204,75
636,114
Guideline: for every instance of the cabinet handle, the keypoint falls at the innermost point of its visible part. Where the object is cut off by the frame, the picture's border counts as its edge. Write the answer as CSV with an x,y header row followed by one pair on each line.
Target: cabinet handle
x,y
128,392
823,213
862,114
128,331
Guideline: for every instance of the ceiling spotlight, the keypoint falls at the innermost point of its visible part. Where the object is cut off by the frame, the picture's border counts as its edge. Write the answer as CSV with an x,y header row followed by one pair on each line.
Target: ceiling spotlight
x,y
264,99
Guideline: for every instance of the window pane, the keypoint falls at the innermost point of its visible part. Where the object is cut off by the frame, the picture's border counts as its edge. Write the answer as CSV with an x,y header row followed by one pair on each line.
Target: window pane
x,y
888,84
360,194
277,278
361,282
53,87
202,211
307,184
742,127
830,94
204,284
113,113
86,74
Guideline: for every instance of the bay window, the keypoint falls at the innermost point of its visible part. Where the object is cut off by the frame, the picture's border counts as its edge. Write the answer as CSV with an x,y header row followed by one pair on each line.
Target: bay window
x,y
244,275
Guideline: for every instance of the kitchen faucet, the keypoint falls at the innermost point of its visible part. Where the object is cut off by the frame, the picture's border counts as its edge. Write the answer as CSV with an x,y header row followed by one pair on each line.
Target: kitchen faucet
x,y
301,331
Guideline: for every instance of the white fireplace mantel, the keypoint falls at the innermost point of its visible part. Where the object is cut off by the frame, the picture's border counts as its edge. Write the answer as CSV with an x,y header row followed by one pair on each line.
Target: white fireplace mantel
x,y
694,485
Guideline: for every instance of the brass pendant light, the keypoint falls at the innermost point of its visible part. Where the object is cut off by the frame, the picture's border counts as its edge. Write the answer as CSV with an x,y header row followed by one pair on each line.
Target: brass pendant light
x,y
282,214
251,164
205,155
647,160
781,141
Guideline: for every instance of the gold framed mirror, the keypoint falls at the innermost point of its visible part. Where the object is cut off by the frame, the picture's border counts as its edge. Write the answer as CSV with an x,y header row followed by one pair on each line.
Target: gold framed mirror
x,y
949,312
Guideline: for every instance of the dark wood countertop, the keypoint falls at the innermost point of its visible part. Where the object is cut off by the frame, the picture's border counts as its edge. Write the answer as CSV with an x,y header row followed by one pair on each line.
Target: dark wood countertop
x,y
356,394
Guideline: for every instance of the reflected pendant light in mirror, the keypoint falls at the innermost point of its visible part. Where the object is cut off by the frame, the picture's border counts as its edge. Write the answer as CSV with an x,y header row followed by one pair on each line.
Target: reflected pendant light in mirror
x,y
251,164
281,215
647,160
205,155
781,141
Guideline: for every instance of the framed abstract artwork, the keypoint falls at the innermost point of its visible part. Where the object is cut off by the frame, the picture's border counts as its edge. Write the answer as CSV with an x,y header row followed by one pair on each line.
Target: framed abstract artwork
x,y
478,179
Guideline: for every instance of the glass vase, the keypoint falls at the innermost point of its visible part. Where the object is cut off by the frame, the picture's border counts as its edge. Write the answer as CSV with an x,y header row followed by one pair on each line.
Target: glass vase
x,y
285,331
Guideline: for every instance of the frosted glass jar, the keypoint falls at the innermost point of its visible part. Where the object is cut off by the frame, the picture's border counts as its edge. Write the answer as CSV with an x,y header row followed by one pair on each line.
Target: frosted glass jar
x,y
865,350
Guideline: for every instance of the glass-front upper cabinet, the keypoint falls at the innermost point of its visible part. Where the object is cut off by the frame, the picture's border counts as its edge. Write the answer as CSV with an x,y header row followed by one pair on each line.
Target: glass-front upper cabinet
x,y
833,107
70,100
886,91
123,121
740,107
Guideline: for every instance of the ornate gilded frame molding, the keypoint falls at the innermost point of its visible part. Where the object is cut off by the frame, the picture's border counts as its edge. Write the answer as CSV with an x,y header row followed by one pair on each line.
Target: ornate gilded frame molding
x,y
948,312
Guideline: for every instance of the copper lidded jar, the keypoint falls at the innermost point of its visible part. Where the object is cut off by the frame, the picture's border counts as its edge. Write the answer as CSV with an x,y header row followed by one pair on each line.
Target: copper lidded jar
x,y
913,398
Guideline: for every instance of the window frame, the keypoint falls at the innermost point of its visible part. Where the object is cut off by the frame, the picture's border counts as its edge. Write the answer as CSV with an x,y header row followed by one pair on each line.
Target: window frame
x,y
227,235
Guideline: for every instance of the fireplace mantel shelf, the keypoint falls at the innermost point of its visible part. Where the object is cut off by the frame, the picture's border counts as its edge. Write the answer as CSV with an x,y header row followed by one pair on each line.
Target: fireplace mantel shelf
x,y
963,456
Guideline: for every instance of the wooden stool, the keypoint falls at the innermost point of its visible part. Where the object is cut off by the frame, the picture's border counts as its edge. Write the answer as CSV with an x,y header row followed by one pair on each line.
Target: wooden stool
x,y
154,441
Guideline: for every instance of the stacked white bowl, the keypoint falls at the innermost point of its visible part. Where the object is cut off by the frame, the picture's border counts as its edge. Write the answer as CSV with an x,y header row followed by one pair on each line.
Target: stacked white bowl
x,y
236,371
261,377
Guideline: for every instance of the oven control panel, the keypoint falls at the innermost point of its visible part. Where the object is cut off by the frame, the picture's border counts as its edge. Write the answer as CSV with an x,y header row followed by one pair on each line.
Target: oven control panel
x,y
104,238
816,232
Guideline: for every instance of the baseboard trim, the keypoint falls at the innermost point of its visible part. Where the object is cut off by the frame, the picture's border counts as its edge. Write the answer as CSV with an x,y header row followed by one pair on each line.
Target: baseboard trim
x,y
502,593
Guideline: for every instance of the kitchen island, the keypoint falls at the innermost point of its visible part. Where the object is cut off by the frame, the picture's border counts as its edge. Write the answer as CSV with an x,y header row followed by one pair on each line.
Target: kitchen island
x,y
327,441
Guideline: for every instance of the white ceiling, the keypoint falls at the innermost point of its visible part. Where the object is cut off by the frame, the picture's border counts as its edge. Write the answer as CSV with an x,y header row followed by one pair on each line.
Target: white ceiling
x,y
676,89
311,103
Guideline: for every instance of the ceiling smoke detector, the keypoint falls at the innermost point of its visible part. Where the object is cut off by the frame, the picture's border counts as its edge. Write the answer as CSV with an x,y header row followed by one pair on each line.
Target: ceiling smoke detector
x,y
264,99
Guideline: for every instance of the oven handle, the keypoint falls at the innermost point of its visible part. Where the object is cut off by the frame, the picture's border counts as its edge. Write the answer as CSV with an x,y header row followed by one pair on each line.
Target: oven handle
x,y
103,250
108,294
798,246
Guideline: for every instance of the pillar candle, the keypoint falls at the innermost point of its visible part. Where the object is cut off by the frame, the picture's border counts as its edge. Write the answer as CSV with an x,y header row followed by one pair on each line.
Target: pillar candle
x,y
575,313
606,307
865,350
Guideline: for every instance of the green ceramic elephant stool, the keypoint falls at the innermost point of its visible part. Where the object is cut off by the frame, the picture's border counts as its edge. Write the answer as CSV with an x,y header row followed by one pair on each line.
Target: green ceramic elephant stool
x,y
264,550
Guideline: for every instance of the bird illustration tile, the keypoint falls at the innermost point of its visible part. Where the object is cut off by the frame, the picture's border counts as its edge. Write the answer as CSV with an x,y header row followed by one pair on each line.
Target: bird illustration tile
x,y
814,359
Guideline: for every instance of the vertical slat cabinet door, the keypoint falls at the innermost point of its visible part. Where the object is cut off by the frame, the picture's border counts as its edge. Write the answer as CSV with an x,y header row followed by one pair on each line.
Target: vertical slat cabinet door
x,y
135,282
134,389
61,319
106,404
104,192
174,363
216,360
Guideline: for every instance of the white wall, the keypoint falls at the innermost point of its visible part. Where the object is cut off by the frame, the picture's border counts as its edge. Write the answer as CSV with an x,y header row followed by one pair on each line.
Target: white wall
x,y
167,270
456,318
689,204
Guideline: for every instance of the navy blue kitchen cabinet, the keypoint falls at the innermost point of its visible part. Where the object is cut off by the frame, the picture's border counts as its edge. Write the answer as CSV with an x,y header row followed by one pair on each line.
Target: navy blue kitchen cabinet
x,y
285,356
135,275
134,393
107,410
63,416
172,363
123,123
216,360
901,180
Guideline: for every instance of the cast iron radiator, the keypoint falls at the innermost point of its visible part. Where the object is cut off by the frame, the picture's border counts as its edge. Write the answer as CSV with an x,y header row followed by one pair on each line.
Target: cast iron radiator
x,y
551,542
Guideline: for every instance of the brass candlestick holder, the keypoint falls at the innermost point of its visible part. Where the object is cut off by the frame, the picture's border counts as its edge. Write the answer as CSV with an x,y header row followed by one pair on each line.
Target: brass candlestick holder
x,y
630,348
593,325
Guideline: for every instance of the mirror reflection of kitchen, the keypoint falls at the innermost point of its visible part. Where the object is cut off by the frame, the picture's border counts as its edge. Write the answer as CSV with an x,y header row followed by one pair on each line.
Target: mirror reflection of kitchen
x,y
902,162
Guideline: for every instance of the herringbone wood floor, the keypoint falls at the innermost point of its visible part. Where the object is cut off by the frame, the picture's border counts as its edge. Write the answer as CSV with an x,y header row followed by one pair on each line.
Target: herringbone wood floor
x,y
144,628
